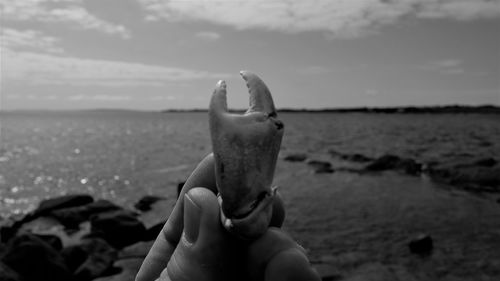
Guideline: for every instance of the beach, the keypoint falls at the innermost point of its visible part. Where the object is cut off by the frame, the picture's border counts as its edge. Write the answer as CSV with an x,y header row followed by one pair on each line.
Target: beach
x,y
358,188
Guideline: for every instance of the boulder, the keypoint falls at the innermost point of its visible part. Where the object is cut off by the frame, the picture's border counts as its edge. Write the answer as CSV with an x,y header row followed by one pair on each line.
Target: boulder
x,y
99,259
62,202
354,157
119,229
421,245
152,232
296,157
74,256
393,162
179,188
486,162
34,259
72,217
7,274
54,241
144,204
470,178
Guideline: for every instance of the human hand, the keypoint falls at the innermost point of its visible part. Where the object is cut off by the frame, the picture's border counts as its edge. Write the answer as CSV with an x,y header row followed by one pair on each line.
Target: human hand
x,y
193,245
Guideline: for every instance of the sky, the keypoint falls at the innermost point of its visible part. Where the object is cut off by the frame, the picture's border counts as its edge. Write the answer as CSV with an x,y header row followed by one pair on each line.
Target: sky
x,y
154,54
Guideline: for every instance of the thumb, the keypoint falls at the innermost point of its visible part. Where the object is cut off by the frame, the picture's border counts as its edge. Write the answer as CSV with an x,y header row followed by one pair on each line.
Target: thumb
x,y
201,215
202,252
192,217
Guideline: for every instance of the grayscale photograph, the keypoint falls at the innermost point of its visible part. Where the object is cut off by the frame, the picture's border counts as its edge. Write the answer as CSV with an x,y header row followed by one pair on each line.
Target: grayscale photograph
x,y
252,140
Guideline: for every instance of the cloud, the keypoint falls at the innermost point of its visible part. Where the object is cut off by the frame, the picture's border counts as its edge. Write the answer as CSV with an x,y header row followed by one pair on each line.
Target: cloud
x,y
342,18
447,66
29,40
208,36
36,68
58,11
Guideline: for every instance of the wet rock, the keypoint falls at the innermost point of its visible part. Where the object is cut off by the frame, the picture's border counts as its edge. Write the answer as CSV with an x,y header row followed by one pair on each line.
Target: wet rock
x,y
393,162
144,204
7,274
61,202
486,162
179,188
54,241
297,157
72,217
354,157
34,259
421,245
119,229
470,178
152,232
99,260
74,256
8,229
320,167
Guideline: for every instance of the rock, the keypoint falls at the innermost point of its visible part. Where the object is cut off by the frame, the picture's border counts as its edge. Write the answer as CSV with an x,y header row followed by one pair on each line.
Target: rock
x,y
470,178
130,268
119,229
297,157
393,162
54,241
486,162
99,260
144,204
320,167
8,229
61,202
179,188
72,217
356,157
34,259
152,232
421,245
74,256
7,274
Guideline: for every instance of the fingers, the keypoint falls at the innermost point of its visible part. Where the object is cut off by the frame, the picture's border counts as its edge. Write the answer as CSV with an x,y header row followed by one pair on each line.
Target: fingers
x,y
204,251
201,215
277,257
167,240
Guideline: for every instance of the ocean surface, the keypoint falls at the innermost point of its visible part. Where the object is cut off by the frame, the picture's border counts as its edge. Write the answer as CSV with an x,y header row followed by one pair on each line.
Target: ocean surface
x,y
122,155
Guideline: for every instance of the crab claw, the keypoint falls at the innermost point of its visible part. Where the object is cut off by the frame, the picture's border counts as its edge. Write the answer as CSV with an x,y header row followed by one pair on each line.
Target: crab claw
x,y
245,149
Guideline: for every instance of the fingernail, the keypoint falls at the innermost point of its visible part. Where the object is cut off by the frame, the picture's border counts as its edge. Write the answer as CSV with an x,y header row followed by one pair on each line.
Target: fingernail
x,y
192,218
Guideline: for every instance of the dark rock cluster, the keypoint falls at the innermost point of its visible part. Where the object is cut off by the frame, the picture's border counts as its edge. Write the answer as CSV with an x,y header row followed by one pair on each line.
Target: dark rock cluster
x,y
26,254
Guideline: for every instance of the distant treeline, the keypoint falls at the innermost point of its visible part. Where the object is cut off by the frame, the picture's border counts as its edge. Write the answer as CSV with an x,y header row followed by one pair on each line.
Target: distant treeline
x,y
490,109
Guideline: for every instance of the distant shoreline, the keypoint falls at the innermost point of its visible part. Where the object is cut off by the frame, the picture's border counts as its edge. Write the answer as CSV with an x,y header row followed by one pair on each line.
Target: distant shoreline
x,y
490,109
484,109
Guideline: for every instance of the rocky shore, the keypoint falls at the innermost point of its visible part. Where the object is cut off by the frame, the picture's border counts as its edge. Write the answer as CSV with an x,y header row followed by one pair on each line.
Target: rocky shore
x,y
76,237
478,176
